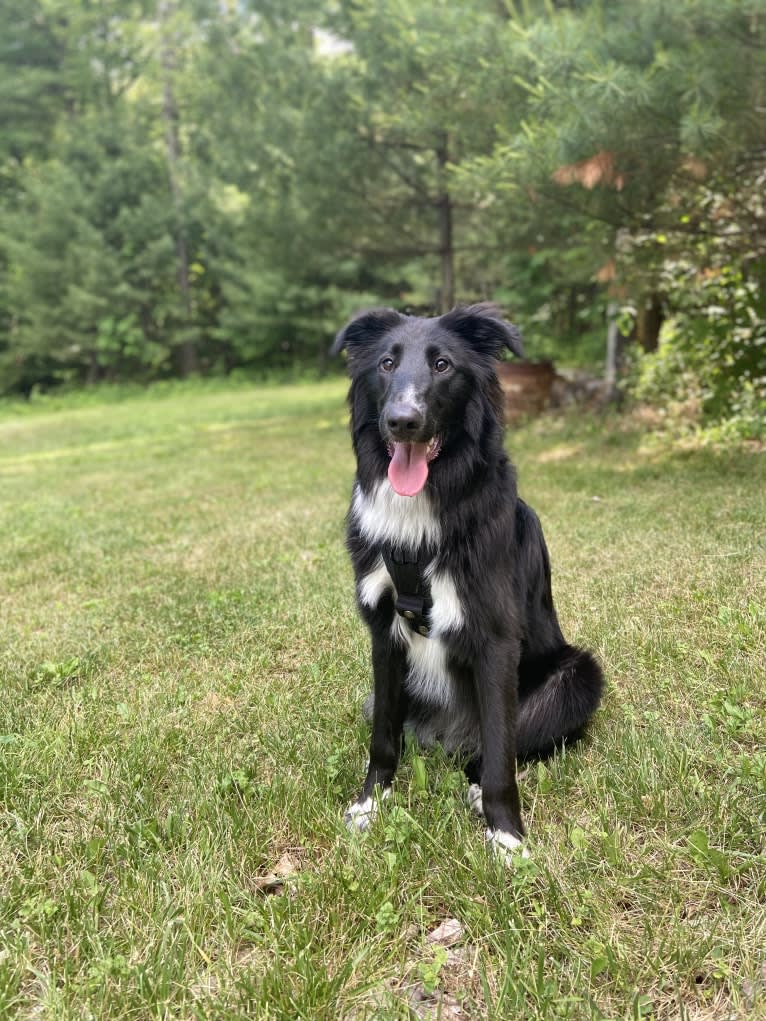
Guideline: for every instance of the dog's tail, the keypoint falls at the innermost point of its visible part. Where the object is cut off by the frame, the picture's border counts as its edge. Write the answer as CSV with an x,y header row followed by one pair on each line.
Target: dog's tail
x,y
558,694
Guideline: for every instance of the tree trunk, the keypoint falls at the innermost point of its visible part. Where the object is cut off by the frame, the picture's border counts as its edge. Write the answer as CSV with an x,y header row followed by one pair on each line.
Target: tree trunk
x,y
612,345
188,362
94,369
446,247
649,321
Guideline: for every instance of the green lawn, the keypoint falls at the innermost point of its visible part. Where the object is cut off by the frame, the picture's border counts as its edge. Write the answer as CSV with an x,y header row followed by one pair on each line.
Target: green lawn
x,y
182,670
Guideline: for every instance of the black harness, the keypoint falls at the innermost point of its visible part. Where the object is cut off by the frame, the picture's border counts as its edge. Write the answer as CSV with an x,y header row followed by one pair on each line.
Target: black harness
x,y
413,593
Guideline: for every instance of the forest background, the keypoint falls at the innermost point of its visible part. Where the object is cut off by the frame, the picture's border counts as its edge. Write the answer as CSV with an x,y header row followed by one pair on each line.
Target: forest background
x,y
214,186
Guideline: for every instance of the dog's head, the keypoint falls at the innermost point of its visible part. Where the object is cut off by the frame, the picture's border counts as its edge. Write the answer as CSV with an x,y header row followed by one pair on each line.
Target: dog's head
x,y
424,382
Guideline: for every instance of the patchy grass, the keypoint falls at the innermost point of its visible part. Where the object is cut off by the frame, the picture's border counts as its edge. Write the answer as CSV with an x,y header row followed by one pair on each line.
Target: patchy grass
x,y
179,732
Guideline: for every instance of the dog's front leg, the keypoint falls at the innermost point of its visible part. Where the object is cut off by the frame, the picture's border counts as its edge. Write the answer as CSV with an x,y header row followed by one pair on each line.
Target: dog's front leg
x,y
496,682
389,710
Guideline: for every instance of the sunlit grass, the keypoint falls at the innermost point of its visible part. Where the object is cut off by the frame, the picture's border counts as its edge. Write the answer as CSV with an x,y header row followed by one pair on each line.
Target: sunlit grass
x,y
182,672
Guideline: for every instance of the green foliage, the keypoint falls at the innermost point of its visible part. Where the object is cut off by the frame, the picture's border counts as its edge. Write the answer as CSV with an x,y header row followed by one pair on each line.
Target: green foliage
x,y
91,260
32,54
712,360
430,969
638,144
712,352
217,186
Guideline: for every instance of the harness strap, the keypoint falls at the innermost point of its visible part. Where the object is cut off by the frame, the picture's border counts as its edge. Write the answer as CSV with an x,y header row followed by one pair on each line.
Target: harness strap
x,y
413,593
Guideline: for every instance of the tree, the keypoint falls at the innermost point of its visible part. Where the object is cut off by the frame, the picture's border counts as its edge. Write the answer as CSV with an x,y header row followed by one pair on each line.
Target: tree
x,y
90,286
219,184
168,23
89,246
629,108
415,102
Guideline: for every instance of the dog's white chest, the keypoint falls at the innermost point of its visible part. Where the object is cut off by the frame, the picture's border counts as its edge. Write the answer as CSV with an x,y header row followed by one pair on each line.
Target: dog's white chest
x,y
384,516
428,678
405,521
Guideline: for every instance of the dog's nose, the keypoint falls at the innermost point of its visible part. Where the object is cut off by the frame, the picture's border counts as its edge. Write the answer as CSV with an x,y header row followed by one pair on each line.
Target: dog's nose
x,y
404,421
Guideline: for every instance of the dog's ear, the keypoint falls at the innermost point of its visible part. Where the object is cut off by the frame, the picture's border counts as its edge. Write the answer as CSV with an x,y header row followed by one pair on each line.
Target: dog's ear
x,y
365,327
483,326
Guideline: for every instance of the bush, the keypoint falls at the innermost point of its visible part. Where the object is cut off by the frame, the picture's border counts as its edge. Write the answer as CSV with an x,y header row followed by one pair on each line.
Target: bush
x,y
710,365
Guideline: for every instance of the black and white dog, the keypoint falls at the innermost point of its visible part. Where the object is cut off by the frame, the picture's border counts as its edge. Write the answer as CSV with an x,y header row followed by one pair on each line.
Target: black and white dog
x,y
452,572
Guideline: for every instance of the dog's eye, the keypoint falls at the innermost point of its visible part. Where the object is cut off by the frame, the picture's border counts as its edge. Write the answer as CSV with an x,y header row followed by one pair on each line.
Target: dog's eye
x,y
387,364
441,365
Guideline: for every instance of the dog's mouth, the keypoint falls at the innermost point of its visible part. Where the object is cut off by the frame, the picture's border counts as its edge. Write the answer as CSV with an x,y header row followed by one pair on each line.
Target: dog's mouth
x,y
408,468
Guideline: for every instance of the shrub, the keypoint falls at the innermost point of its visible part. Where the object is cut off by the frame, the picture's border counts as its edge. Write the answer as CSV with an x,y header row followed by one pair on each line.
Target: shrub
x,y
710,365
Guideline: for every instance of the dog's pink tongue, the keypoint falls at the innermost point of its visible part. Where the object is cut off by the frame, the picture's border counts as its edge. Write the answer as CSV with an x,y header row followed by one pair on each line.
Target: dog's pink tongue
x,y
408,468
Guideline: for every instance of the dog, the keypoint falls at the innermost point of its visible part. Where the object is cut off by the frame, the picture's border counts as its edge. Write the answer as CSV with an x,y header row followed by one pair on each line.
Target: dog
x,y
452,571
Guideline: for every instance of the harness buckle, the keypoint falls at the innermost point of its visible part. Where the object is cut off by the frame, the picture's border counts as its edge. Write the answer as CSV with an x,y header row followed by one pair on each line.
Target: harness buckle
x,y
409,606
413,600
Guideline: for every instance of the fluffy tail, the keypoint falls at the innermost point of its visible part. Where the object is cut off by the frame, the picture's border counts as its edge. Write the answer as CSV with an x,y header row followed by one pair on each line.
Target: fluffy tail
x,y
558,694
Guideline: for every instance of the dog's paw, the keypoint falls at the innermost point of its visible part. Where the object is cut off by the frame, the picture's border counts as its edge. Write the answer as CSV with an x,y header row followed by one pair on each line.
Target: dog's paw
x,y
360,815
473,797
506,846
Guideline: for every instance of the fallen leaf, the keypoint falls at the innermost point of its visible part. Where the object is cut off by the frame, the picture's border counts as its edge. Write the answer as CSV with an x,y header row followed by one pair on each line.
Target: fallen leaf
x,y
447,934
286,865
269,883
273,882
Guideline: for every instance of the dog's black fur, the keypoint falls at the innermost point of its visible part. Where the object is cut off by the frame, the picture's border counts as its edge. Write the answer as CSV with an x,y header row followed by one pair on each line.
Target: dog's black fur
x,y
512,686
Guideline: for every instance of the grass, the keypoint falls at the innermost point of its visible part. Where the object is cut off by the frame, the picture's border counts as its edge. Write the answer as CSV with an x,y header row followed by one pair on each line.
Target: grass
x,y
179,731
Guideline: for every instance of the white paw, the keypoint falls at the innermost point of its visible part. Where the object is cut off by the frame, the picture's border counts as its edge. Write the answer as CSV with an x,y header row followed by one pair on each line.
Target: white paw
x,y
506,846
360,815
473,797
